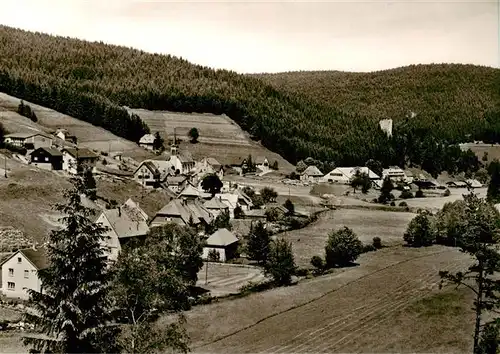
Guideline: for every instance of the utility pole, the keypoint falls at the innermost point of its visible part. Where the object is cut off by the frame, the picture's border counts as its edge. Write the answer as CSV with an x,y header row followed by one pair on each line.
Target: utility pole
x,y
206,273
5,167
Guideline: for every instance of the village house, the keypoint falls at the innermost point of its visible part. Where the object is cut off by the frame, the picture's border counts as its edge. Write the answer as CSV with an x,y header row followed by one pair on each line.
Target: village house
x,y
229,199
147,141
244,201
216,206
280,210
183,163
124,223
224,242
256,214
209,165
30,141
47,158
456,184
262,163
65,135
176,183
183,212
344,175
473,183
311,174
20,272
150,173
190,192
72,157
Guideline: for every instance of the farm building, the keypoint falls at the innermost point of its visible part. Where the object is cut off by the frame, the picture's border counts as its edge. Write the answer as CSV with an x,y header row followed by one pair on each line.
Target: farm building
x,y
30,141
344,175
183,212
311,174
229,199
123,223
65,135
209,165
147,141
191,192
396,174
244,201
84,156
456,184
278,208
473,183
256,214
426,184
47,158
261,163
222,241
150,173
20,271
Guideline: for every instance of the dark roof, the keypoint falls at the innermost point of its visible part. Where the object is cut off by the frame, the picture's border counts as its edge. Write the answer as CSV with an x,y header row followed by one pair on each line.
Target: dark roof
x,y
83,153
37,257
51,151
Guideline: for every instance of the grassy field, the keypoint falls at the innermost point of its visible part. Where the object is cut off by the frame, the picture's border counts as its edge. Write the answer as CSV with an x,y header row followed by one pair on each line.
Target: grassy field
x,y
310,241
49,120
342,312
220,137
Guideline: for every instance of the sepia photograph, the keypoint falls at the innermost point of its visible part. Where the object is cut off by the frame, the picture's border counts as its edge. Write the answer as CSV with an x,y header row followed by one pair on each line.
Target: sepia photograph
x,y
249,176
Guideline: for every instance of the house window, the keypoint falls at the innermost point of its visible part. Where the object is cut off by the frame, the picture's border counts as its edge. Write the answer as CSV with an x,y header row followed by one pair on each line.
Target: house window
x,y
11,272
35,158
46,159
11,285
26,273
19,259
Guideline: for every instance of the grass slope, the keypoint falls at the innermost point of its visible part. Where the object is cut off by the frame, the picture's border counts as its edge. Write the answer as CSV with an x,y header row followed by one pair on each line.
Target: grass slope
x,y
220,137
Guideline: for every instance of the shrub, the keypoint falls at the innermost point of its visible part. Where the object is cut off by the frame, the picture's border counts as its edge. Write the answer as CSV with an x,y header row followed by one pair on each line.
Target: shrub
x,y
393,204
419,194
403,204
318,263
342,248
368,248
280,264
377,242
406,194
447,192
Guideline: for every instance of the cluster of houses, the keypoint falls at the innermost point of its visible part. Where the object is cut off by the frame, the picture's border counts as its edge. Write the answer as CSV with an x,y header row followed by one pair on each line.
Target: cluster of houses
x,y
58,152
191,206
344,175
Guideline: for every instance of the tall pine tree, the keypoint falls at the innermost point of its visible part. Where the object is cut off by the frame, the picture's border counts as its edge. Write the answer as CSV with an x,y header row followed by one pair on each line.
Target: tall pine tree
x,y
72,312
259,243
493,194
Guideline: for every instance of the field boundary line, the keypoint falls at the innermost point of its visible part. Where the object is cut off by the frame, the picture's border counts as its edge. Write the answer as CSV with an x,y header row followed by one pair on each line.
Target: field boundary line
x,y
317,298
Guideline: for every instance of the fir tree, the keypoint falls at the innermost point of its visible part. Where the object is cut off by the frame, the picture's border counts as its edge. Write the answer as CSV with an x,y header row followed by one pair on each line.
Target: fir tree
x,y
493,193
258,244
73,311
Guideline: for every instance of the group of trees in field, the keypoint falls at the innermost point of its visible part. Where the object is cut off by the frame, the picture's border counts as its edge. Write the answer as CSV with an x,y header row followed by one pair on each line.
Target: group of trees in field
x,y
276,256
93,81
26,111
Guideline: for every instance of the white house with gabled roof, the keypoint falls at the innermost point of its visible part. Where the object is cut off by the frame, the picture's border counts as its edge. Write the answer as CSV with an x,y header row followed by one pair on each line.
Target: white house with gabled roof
x,y
344,175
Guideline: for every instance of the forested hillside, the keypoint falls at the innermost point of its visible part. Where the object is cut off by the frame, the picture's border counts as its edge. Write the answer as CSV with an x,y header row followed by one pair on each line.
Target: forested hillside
x,y
452,98
92,81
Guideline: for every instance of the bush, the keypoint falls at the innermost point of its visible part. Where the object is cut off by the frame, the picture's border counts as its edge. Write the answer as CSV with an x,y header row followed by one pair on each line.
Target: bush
x,y
419,194
342,248
447,192
318,263
377,242
406,194
368,248
280,264
403,204
420,231
393,204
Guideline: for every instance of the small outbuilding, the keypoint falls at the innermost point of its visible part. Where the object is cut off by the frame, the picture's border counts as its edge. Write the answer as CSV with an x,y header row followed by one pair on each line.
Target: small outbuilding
x,y
224,242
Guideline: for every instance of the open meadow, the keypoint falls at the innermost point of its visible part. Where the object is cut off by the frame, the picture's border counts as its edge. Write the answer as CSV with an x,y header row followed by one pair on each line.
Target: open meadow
x,y
367,308
88,135
220,137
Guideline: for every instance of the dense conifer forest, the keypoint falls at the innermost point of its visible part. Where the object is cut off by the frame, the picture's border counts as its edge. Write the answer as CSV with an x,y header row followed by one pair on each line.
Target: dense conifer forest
x,y
92,81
